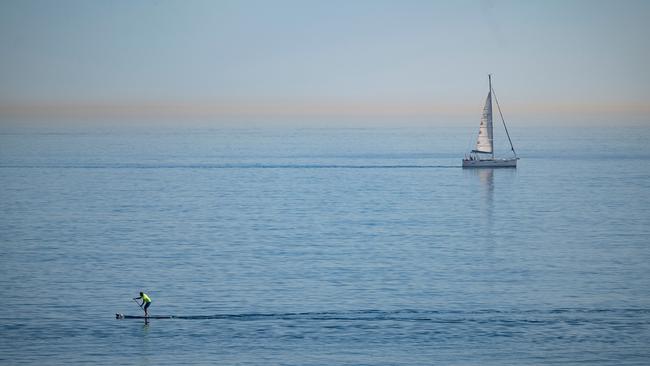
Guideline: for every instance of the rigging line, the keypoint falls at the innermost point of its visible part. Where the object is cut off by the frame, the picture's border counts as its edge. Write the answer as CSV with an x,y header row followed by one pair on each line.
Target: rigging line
x,y
504,123
472,142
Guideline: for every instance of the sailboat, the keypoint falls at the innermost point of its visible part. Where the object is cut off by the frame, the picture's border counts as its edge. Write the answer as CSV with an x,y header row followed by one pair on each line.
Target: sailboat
x,y
483,155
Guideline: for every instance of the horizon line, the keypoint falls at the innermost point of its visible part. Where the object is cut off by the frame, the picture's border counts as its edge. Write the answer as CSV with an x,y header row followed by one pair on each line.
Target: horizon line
x,y
294,108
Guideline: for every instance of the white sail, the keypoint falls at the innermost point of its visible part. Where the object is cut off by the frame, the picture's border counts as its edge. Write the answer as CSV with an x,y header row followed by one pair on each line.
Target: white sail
x,y
484,141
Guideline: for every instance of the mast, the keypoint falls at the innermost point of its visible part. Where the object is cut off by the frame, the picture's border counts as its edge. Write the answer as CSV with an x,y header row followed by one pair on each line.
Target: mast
x,y
491,128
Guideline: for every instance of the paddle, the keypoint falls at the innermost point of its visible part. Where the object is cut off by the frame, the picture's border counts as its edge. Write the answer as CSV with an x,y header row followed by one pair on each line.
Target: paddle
x,y
136,301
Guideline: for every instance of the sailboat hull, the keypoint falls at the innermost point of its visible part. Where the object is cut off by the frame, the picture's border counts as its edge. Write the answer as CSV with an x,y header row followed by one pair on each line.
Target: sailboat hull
x,y
490,163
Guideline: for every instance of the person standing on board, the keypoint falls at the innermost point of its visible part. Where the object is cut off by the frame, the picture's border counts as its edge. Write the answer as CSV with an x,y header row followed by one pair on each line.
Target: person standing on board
x,y
146,301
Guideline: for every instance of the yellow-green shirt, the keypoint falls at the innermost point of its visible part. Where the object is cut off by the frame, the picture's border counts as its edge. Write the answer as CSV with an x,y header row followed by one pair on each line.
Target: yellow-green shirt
x,y
145,298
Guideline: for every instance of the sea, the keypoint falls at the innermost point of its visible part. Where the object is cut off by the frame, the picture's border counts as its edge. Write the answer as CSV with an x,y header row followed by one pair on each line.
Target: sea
x,y
324,245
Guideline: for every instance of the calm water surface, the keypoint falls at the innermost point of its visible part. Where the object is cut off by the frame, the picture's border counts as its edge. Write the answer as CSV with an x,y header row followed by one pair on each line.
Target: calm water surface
x,y
332,246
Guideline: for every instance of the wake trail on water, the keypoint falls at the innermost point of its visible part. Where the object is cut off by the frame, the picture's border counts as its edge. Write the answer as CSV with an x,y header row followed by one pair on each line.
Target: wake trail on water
x,y
225,166
453,316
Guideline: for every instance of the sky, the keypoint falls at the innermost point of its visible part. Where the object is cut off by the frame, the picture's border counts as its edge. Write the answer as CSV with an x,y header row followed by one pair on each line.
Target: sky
x,y
329,56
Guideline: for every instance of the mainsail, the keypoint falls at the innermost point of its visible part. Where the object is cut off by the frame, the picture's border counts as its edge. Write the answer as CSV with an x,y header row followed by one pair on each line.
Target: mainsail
x,y
484,141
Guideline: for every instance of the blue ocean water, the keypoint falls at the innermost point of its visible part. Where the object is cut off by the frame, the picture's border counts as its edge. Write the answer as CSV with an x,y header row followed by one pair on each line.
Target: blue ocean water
x,y
324,246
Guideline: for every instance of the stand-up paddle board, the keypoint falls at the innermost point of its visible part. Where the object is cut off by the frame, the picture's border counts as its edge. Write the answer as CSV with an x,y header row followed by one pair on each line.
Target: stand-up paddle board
x,y
122,316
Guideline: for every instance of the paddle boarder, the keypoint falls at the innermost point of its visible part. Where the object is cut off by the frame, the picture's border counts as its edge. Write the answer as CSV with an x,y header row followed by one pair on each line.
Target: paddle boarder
x,y
146,301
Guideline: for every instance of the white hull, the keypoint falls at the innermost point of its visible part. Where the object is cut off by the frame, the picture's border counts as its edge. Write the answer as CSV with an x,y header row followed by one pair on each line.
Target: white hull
x,y
490,163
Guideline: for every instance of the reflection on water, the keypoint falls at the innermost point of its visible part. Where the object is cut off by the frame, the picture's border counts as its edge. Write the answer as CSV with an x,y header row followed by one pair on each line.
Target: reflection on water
x,y
486,196
486,177
487,193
